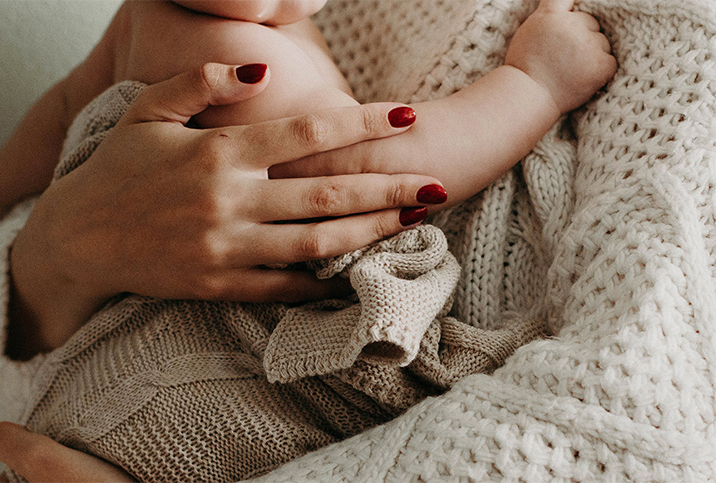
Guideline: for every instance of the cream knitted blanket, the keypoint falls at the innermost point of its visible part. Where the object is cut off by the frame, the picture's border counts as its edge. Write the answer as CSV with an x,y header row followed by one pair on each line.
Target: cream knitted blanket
x,y
610,235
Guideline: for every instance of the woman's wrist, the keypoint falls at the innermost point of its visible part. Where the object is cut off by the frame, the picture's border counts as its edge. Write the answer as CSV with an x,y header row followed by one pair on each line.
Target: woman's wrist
x,y
47,304
22,339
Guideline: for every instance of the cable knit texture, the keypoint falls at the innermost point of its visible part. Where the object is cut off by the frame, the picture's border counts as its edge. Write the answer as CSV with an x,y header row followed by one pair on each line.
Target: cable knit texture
x,y
608,233
251,386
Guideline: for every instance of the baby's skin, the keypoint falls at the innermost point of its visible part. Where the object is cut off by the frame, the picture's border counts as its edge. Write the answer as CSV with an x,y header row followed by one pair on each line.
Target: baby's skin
x,y
168,39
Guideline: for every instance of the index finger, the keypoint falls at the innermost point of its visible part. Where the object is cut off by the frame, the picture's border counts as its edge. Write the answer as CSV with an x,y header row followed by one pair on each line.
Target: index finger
x,y
556,5
279,141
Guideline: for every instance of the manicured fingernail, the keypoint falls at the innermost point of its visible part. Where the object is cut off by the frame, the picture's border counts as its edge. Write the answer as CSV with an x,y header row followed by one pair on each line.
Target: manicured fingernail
x,y
411,216
401,116
432,194
251,73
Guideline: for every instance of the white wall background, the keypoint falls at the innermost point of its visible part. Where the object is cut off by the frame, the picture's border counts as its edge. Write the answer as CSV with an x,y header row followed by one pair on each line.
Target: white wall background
x,y
40,42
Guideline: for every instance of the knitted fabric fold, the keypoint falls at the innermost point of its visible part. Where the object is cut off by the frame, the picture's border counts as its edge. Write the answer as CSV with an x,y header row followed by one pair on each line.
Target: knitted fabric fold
x,y
392,279
178,390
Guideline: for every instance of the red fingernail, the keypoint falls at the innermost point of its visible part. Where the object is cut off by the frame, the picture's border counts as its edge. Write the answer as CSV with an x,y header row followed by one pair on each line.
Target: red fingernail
x,y
401,116
251,73
432,194
411,216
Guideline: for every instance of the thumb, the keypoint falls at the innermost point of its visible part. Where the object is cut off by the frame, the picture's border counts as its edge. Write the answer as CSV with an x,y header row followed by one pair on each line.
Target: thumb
x,y
556,5
187,94
39,458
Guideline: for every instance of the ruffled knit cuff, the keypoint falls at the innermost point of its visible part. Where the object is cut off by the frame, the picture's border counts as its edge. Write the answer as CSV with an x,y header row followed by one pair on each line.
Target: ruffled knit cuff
x,y
403,284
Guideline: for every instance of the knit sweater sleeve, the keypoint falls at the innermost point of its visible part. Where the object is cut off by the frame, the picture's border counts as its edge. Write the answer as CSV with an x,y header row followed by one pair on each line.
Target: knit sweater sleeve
x,y
15,377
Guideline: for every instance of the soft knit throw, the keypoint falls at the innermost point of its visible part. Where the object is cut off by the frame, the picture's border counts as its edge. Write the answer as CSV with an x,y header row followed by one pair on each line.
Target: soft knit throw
x,y
202,391
611,236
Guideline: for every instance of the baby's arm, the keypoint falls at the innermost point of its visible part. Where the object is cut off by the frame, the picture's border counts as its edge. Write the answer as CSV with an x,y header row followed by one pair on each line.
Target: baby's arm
x,y
271,12
29,157
556,61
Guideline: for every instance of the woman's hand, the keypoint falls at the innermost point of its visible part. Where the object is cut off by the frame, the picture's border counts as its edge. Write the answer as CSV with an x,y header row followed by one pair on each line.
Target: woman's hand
x,y
40,459
171,212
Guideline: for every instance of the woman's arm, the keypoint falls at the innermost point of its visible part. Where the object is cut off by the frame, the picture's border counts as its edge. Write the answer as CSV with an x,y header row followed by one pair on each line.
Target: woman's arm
x,y
556,61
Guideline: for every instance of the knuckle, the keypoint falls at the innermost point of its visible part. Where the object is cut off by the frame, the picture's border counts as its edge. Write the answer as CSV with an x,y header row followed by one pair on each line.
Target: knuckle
x,y
394,194
209,279
208,211
326,199
383,227
372,123
209,287
312,245
212,151
212,253
208,76
311,131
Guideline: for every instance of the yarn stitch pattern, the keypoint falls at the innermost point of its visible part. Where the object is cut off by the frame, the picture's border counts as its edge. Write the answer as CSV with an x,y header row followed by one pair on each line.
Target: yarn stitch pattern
x,y
619,219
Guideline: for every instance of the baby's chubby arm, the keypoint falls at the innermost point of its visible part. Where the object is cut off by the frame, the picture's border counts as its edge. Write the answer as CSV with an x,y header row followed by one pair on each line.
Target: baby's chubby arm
x,y
271,12
556,61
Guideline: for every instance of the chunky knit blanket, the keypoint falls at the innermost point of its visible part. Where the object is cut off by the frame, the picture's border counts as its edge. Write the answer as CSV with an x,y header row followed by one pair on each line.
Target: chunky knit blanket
x,y
608,233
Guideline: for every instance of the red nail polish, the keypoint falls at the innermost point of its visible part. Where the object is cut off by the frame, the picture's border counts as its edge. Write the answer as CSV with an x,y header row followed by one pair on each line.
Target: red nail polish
x,y
251,73
432,194
401,116
411,216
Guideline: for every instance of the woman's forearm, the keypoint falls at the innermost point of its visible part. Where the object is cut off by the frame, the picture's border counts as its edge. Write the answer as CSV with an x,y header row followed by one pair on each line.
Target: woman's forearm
x,y
45,305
